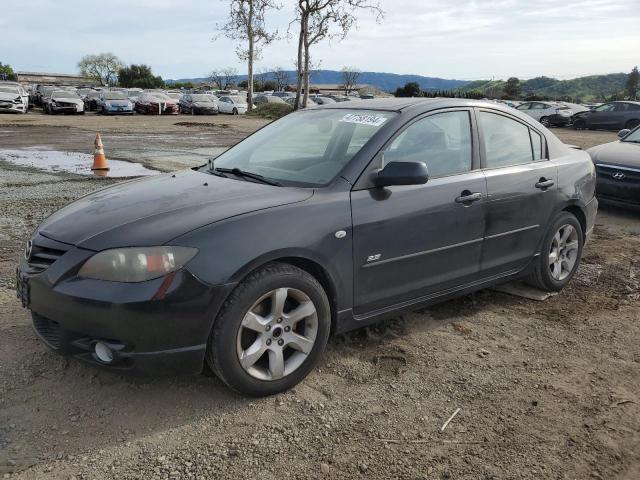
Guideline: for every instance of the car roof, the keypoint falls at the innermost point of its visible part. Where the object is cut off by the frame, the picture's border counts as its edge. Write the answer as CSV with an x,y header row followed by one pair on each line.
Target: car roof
x,y
399,104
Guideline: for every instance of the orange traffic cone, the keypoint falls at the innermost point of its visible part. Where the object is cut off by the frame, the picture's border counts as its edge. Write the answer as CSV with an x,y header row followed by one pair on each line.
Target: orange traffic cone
x,y
99,159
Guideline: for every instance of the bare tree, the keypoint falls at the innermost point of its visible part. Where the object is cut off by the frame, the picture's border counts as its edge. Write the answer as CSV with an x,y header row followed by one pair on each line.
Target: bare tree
x,y
223,78
350,77
246,23
319,20
281,77
102,68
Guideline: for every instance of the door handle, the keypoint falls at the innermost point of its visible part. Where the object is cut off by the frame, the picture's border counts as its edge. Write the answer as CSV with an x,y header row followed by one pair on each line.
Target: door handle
x,y
467,198
543,184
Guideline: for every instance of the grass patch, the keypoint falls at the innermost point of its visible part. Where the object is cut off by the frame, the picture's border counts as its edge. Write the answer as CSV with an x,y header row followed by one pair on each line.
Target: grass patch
x,y
271,111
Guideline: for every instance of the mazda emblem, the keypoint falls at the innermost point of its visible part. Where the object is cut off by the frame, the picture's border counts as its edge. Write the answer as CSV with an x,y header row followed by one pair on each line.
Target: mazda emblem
x,y
618,176
28,250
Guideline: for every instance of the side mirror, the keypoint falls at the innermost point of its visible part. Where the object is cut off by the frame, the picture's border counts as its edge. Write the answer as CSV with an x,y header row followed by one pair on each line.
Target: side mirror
x,y
623,133
401,173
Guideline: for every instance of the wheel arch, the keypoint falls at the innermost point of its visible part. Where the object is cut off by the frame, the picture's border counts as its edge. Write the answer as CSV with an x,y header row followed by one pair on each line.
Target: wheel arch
x,y
578,212
308,263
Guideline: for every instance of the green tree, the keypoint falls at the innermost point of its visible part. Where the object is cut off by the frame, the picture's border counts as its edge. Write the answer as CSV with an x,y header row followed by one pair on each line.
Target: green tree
x,y
103,68
7,73
139,76
411,89
633,83
512,88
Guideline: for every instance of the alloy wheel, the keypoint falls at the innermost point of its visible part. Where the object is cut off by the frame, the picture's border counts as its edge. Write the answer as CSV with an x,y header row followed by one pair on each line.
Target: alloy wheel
x,y
277,334
564,252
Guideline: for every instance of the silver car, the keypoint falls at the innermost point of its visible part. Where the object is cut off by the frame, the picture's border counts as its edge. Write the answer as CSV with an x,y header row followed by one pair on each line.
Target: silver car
x,y
547,113
12,100
63,101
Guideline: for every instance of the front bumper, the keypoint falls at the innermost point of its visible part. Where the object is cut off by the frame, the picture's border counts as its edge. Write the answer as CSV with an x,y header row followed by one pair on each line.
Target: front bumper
x,y
118,111
67,108
559,120
10,107
205,111
158,327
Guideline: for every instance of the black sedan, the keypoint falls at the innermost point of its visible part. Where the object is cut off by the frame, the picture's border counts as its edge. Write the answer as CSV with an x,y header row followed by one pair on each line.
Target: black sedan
x,y
198,104
609,116
326,220
618,169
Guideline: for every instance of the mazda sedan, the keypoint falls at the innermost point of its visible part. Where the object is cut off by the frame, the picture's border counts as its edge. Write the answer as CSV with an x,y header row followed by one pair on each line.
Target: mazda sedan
x,y
326,220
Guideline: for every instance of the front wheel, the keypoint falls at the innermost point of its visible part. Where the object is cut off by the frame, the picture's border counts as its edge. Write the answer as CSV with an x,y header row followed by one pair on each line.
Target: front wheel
x,y
561,254
271,331
235,111
580,125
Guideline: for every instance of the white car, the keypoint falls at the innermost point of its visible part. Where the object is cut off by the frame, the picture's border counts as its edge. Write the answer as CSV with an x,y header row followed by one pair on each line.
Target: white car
x,y
12,100
233,104
547,113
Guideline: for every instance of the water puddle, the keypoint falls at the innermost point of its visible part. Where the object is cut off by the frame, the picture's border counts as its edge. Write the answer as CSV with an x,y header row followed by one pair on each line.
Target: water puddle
x,y
72,162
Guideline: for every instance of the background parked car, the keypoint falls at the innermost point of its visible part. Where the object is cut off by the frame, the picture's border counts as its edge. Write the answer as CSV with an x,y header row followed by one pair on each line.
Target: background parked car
x,y
618,168
63,101
134,94
233,104
11,100
156,103
91,101
262,99
547,113
609,116
114,102
199,104
21,90
323,100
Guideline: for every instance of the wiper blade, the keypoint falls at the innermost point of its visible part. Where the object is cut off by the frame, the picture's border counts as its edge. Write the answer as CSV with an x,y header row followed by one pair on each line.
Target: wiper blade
x,y
254,176
217,173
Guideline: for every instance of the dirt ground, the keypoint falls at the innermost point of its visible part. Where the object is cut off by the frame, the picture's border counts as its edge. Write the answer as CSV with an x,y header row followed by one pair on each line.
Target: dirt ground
x,y
546,390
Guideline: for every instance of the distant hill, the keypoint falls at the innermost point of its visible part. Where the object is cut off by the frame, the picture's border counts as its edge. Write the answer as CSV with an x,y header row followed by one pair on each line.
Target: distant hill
x,y
384,81
593,87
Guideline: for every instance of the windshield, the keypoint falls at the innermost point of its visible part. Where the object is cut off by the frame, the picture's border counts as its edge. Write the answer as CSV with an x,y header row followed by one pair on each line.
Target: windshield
x,y
305,149
9,90
201,98
64,94
633,137
114,96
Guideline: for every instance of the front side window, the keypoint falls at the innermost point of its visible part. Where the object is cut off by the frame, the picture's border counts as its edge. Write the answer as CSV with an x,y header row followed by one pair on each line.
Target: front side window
x,y
524,106
506,141
607,107
441,141
308,148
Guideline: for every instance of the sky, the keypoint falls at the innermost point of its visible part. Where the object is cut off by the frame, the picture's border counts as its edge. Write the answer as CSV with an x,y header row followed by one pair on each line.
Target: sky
x,y
461,39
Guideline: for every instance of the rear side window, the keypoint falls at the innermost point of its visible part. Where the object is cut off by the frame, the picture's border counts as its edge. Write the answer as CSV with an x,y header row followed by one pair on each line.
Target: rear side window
x,y
536,145
441,141
506,141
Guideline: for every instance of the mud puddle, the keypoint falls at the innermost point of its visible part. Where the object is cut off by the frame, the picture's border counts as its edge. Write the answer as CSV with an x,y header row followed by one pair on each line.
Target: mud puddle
x,y
72,162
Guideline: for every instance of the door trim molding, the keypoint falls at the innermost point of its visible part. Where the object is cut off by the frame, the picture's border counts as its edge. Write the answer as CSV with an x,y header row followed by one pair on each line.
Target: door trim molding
x,y
510,232
425,252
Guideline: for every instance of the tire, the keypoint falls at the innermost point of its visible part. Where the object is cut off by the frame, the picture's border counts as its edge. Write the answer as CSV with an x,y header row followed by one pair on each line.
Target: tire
x,y
631,124
580,125
235,111
233,336
554,276
545,122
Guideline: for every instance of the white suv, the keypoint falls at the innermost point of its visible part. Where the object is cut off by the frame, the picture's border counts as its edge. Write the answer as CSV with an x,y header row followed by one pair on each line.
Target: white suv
x,y
547,113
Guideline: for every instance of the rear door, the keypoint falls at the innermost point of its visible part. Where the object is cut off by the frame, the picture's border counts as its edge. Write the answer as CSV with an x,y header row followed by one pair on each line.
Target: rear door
x,y
521,188
414,241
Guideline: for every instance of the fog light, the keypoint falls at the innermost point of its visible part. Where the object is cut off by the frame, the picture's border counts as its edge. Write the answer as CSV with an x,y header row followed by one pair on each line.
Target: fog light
x,y
103,352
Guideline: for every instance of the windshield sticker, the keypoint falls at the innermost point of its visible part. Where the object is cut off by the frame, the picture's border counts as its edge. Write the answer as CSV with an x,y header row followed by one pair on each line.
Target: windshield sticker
x,y
373,120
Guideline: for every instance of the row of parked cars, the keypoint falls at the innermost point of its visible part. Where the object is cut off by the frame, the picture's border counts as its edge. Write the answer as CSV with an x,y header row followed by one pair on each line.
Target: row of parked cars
x,y
607,116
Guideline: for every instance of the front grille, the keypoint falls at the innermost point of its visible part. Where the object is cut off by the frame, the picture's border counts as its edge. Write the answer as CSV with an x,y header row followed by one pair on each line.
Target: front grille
x,y
625,175
44,253
48,330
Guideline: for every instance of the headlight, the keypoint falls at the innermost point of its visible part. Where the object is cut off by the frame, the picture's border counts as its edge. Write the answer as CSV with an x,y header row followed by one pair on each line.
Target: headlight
x,y
107,104
136,264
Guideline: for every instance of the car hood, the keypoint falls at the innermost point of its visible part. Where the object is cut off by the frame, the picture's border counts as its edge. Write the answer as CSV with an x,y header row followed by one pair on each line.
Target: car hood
x,y
205,104
617,153
77,101
155,210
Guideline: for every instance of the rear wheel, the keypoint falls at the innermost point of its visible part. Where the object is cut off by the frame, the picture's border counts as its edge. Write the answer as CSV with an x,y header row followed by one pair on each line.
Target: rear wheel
x,y
560,255
235,111
631,124
271,332
545,122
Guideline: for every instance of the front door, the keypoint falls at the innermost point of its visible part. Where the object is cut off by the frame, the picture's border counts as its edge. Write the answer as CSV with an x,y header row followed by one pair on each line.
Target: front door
x,y
521,187
415,241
